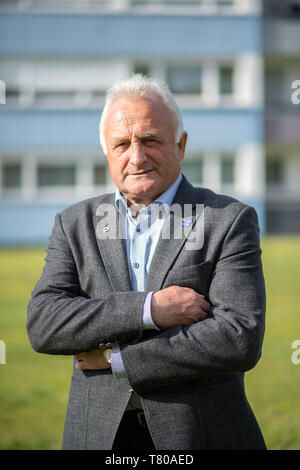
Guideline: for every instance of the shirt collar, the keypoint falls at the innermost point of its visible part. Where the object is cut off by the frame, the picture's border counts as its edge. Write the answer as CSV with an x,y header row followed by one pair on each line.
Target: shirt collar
x,y
166,198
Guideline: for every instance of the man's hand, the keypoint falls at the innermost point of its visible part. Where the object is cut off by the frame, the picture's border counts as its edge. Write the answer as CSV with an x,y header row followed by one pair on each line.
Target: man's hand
x,y
91,360
177,305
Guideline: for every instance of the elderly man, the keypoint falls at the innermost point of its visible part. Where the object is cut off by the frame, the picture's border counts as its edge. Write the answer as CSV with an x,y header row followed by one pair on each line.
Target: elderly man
x,y
162,310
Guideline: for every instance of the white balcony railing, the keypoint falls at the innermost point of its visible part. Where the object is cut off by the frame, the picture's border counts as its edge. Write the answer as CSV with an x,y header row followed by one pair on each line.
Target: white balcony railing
x,y
205,7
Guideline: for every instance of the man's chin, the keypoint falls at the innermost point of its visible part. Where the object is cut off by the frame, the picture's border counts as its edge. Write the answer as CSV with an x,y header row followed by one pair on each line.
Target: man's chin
x,y
143,183
141,191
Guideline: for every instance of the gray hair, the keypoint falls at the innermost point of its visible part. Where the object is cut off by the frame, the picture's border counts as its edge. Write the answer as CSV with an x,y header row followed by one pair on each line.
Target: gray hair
x,y
141,86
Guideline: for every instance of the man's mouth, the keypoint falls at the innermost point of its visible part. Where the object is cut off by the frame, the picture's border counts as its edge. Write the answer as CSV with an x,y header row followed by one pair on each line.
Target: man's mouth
x,y
139,173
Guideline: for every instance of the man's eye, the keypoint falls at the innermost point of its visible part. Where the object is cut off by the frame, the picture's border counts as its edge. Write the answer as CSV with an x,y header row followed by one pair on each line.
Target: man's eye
x,y
150,141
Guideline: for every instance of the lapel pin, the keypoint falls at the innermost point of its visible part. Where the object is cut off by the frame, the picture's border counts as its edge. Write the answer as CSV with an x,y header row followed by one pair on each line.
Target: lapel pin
x,y
186,222
106,228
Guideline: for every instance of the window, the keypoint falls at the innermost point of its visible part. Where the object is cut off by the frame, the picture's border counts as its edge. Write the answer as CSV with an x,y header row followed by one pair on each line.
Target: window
x,y
55,175
290,8
226,80
193,170
225,3
184,79
274,171
11,175
12,96
227,169
57,98
99,175
295,8
274,86
143,69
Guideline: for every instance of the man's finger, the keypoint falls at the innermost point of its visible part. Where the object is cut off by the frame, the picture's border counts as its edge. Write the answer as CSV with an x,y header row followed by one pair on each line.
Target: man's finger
x,y
80,365
78,357
205,305
202,315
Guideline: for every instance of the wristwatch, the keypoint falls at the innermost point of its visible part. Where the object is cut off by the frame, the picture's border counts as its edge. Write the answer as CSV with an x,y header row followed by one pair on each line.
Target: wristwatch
x,y
107,355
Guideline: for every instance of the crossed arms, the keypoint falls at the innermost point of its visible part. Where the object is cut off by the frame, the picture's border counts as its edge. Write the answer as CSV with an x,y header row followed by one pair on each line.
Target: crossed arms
x,y
172,306
191,343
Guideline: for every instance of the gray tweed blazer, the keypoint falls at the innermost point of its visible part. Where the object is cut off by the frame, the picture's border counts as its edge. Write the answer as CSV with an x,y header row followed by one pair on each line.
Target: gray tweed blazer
x,y
190,379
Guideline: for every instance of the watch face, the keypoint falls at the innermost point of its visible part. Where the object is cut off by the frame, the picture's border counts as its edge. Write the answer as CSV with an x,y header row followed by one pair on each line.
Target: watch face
x,y
107,355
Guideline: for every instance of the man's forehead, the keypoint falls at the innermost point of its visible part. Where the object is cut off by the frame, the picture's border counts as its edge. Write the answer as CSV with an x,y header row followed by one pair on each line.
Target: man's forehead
x,y
126,117
131,109
122,123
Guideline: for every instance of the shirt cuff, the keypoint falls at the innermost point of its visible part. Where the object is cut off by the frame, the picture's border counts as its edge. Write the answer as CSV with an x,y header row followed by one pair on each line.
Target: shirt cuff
x,y
117,365
148,323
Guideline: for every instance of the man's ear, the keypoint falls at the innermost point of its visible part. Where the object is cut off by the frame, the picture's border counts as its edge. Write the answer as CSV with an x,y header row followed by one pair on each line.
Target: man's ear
x,y
182,145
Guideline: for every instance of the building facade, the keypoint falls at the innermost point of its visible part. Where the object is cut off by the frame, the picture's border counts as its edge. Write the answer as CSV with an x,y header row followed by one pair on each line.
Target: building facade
x,y
282,115
58,57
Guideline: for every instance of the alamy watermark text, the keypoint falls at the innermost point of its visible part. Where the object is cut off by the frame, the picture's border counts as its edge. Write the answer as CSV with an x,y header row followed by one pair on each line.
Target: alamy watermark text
x,y
296,94
2,92
2,352
296,354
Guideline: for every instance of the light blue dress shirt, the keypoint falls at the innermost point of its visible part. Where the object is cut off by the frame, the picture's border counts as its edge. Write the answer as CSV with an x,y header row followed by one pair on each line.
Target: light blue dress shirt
x,y
142,235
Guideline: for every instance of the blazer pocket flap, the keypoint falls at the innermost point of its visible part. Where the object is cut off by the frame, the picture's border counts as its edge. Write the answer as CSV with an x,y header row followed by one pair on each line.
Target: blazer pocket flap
x,y
196,277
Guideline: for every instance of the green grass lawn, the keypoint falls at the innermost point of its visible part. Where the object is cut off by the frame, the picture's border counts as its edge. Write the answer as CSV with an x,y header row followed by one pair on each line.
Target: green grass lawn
x,y
273,386
34,387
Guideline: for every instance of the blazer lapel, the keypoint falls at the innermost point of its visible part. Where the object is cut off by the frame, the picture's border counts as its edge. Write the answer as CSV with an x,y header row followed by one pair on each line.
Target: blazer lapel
x,y
111,242
178,225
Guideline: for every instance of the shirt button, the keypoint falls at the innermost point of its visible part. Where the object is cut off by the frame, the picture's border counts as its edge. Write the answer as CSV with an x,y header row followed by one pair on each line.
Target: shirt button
x,y
136,265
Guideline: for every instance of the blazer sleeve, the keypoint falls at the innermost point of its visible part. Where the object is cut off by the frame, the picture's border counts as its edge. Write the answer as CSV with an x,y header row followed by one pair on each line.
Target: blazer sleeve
x,y
230,339
62,320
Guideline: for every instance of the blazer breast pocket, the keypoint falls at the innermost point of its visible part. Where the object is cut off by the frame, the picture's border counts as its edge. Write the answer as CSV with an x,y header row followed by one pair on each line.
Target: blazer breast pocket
x,y
196,277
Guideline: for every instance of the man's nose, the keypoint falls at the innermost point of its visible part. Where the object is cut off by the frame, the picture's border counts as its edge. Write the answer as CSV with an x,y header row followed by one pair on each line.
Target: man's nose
x,y
137,154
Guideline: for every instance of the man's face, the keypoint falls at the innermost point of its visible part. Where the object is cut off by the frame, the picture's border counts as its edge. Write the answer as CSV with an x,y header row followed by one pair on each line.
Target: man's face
x,y
143,156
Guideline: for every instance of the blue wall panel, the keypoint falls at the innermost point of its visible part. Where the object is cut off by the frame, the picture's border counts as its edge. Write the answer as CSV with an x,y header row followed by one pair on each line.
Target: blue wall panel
x,y
222,129
72,129
40,129
23,224
129,34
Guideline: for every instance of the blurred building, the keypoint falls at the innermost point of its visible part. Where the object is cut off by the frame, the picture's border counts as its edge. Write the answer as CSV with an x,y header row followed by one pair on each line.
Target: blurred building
x,y
282,115
58,57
